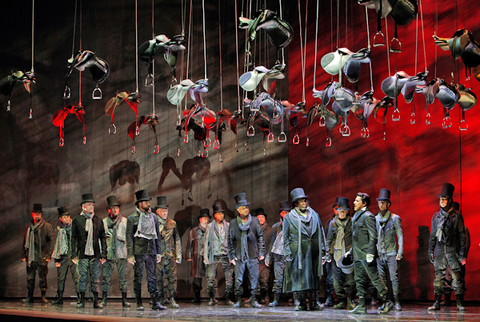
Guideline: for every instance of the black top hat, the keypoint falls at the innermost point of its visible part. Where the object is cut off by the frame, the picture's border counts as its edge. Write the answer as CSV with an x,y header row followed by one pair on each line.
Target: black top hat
x,y
205,212
161,202
296,194
218,206
384,195
447,190
37,207
87,197
343,203
284,206
260,211
112,201
241,199
62,211
142,195
345,263
336,203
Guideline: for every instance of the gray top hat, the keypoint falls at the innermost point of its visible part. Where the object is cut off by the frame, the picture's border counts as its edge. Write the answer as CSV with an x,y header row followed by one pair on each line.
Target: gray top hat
x,y
142,195
87,197
384,195
205,212
345,263
297,193
161,202
447,190
218,206
343,203
112,201
241,199
62,211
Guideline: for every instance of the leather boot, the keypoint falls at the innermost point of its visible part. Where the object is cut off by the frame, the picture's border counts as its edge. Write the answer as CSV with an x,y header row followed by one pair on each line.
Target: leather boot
x,y
276,300
299,300
211,302
196,299
96,304
341,305
29,298
138,298
155,304
387,305
238,302
350,304
329,300
361,308
228,296
124,300
436,305
81,301
59,299
253,302
398,307
44,297
460,306
448,299
315,304
104,299
173,303
78,297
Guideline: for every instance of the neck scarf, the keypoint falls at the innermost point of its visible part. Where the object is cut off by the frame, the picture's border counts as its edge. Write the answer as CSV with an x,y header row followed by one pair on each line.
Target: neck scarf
x,y
114,232
339,247
61,244
444,225
30,240
302,218
146,225
244,227
89,229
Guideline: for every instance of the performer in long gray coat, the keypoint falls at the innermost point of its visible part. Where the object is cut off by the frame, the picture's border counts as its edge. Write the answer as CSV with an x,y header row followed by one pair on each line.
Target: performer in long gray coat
x,y
303,245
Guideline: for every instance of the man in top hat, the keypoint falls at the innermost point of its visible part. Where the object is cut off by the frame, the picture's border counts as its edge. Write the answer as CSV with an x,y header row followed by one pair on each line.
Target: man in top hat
x,y
194,253
364,233
389,230
115,226
339,243
36,252
329,288
89,249
171,246
447,247
61,254
275,254
246,248
216,252
264,270
303,244
143,248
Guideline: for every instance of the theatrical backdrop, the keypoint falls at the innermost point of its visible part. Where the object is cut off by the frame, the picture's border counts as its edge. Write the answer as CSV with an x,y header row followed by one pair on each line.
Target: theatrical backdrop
x,y
411,158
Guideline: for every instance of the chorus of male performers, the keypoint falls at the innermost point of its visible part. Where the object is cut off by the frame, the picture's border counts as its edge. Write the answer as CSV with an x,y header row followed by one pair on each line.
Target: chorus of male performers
x,y
355,248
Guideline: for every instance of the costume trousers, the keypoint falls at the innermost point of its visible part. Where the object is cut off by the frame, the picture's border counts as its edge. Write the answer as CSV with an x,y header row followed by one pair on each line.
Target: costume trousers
x,y
212,274
361,269
329,288
88,267
390,263
107,271
149,262
167,269
252,265
264,275
66,264
344,284
197,284
278,268
441,263
32,270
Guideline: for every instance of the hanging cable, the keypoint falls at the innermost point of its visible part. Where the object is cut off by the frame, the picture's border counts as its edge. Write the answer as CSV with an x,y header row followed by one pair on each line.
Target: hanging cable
x,y
369,46
388,49
237,55
136,46
423,37
33,35
153,60
316,37
204,40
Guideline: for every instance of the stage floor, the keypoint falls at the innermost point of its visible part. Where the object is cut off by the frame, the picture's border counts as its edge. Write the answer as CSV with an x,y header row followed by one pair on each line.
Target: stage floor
x,y
15,310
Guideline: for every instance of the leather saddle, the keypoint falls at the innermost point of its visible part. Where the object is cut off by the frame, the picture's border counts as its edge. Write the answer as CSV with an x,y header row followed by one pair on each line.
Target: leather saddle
x,y
98,67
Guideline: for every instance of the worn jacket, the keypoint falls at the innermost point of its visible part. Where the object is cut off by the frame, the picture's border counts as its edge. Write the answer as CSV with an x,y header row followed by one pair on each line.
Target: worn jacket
x,y
267,236
44,240
364,232
138,245
277,228
171,244
456,236
255,241
332,237
78,239
195,248
212,241
388,236
116,245
68,232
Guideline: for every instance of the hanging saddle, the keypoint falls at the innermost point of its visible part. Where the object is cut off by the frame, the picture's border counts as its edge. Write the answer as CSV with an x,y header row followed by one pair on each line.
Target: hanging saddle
x,y
98,67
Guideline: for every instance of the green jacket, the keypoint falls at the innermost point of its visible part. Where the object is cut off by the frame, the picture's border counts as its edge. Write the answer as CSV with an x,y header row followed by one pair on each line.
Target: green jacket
x,y
388,236
364,232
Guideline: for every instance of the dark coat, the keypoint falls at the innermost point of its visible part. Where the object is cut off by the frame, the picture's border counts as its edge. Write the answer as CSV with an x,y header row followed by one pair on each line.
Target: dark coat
x,y
276,229
267,237
332,236
78,239
307,253
138,245
43,237
170,240
195,248
457,239
392,231
256,243
364,232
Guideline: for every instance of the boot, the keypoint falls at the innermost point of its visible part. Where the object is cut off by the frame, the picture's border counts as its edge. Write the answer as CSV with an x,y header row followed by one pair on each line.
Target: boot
x,y
78,297
104,299
228,296
29,298
81,301
448,299
254,303
341,305
350,304
262,296
329,300
361,308
173,303
211,302
155,304
96,304
276,300
59,299
238,302
460,306
436,305
124,300
315,304
299,301
374,301
398,307
44,297
138,298
197,296
387,305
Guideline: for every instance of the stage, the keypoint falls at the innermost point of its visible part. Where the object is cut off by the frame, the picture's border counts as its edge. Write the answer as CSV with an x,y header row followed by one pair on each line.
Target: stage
x,y
15,310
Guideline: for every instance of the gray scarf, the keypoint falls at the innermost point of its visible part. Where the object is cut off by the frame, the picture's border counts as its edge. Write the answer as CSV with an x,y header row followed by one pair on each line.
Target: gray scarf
x,y
444,224
30,240
61,244
244,229
89,229
381,234
302,229
146,225
339,247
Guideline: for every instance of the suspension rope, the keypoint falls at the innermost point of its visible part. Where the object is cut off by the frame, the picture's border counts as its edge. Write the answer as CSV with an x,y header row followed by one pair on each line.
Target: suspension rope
x,y
136,46
33,34
204,40
388,47
237,55
316,37
423,36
